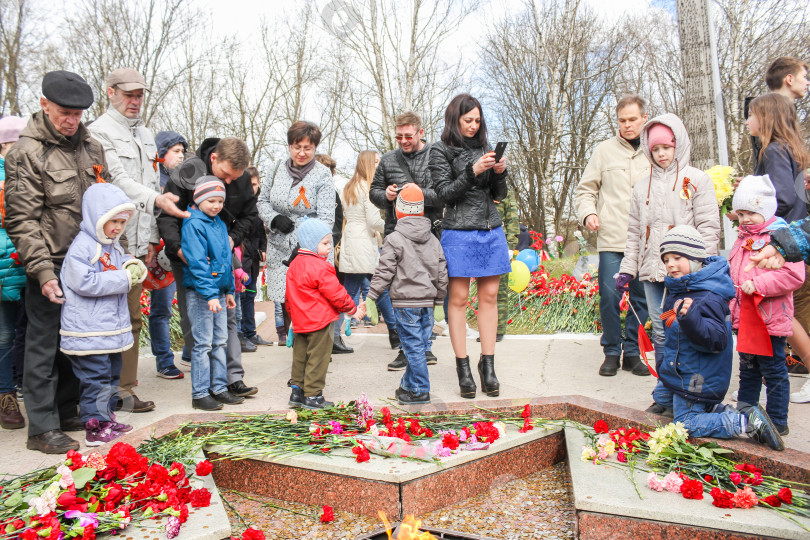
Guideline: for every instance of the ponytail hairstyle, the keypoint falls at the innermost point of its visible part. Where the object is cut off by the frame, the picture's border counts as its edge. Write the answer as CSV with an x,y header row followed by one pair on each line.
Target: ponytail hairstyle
x,y
778,123
361,180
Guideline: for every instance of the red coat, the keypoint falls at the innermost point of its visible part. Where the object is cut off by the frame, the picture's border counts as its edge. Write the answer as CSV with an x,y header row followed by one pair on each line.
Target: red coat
x,y
315,297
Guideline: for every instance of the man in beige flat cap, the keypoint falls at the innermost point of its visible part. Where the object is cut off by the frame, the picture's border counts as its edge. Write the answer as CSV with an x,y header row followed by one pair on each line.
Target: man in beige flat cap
x,y
132,160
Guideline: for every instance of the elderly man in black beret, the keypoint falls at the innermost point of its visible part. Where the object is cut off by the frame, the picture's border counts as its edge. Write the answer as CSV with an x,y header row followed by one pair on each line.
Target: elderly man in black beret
x,y
47,172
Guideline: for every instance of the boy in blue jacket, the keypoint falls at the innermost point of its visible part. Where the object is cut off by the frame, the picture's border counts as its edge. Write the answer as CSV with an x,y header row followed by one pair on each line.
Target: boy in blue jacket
x,y
96,276
698,344
208,278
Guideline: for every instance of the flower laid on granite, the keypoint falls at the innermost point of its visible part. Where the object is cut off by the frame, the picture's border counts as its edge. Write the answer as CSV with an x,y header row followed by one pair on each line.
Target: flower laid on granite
x,y
200,498
745,498
327,514
692,489
654,482
172,527
722,498
203,468
361,452
600,426
292,416
673,482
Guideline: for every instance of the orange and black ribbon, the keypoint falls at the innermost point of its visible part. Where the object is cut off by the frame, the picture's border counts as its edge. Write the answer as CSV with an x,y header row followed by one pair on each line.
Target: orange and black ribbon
x,y
668,317
97,169
157,160
302,196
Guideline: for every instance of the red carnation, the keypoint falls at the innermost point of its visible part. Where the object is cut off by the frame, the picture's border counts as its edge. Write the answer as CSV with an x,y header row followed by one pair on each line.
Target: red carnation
x,y
361,452
200,498
692,489
722,498
158,474
252,534
450,441
601,426
527,411
786,495
328,514
772,500
386,415
204,468
29,534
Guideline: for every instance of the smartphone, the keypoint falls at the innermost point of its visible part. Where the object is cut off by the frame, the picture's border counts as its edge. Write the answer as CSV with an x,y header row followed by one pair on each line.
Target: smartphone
x,y
500,148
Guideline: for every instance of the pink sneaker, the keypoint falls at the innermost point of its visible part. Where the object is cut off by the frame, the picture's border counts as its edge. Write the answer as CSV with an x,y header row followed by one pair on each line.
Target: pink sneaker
x,y
120,428
98,433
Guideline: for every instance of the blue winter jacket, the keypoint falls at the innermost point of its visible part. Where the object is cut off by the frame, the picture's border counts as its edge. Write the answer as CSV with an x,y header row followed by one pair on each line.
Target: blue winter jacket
x,y
95,316
206,247
699,344
12,274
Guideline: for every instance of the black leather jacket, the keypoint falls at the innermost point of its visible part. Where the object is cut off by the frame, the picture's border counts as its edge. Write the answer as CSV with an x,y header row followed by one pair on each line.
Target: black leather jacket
x,y
467,206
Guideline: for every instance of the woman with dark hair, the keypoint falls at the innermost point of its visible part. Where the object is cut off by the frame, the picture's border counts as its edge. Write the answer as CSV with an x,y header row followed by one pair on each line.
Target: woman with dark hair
x,y
295,189
470,182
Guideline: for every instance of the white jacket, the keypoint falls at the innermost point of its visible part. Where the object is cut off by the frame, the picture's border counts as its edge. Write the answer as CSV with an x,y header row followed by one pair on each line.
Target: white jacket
x,y
130,150
657,206
359,251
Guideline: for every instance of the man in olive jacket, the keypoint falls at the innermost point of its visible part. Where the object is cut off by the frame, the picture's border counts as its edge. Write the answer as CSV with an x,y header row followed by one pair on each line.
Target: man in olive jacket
x,y
602,200
47,172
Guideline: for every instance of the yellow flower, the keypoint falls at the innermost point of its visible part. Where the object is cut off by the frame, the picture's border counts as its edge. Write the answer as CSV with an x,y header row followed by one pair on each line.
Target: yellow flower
x,y
723,184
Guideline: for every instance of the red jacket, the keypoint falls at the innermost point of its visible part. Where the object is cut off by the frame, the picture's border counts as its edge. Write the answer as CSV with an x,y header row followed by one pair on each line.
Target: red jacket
x,y
315,297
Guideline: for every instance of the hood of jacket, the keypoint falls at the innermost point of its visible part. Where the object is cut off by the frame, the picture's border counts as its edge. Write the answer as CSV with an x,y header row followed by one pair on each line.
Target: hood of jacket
x,y
414,228
166,139
206,149
713,277
100,203
683,146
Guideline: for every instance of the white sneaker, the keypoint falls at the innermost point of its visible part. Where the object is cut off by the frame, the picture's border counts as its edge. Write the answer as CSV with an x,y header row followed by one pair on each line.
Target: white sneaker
x,y
445,330
803,395
734,395
471,333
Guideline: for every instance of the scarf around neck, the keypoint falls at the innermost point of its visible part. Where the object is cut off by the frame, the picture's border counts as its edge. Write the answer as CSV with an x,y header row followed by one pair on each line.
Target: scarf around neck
x,y
298,173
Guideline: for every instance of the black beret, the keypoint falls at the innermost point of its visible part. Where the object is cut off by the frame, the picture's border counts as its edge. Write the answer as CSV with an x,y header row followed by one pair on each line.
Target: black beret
x,y
67,90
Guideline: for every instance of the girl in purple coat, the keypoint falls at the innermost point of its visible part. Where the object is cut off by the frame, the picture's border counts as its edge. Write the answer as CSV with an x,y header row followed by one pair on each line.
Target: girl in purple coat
x,y
96,276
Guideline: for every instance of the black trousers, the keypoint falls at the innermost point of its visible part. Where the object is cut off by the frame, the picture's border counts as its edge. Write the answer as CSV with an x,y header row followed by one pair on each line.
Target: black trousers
x,y
51,389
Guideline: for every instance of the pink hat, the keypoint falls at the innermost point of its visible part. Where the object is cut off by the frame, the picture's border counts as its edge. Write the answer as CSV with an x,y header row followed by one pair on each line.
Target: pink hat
x,y
660,134
10,128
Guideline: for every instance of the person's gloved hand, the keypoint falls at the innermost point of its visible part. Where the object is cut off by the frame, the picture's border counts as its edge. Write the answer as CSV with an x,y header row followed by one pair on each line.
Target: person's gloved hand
x,y
623,282
133,273
438,312
371,311
136,270
283,224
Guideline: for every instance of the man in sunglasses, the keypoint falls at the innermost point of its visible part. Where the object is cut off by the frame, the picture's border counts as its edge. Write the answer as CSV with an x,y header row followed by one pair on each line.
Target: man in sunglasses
x,y
407,164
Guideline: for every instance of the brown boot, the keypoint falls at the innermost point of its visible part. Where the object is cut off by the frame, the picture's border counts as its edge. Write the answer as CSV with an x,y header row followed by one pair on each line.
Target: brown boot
x,y
10,416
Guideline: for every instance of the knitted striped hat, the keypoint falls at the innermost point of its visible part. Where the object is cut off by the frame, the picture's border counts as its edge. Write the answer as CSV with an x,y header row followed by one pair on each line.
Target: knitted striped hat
x,y
207,187
686,241
410,201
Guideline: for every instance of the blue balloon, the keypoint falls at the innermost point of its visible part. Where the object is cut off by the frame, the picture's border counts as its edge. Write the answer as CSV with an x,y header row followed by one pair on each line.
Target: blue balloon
x,y
530,258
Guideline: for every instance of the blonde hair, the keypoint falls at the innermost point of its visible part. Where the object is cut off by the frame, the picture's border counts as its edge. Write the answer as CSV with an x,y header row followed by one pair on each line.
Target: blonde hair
x,y
778,123
361,180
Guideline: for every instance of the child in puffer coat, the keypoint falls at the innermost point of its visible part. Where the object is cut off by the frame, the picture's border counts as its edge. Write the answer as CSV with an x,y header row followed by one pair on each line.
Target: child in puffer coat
x,y
96,276
755,203
696,372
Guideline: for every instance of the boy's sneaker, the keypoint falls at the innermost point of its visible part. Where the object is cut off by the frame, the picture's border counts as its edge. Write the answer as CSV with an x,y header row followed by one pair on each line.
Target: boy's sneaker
x,y
655,408
782,430
316,402
399,363
795,366
406,397
170,373
206,403
240,389
761,429
97,433
227,398
803,395
296,397
431,358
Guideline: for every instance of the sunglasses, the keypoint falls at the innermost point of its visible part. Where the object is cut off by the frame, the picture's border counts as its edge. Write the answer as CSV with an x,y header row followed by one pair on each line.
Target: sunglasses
x,y
405,137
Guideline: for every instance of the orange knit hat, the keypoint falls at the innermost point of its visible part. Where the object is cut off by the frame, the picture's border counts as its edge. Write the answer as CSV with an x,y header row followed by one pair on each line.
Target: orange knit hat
x,y
410,201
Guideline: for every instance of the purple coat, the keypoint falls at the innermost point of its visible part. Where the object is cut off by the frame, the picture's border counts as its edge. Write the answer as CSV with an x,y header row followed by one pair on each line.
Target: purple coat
x,y
95,316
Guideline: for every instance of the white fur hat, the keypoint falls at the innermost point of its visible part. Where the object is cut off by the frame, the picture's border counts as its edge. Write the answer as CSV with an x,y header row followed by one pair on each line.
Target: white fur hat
x,y
756,194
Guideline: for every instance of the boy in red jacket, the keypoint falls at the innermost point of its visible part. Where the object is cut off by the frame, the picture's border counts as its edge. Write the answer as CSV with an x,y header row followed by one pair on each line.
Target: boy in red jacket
x,y
315,297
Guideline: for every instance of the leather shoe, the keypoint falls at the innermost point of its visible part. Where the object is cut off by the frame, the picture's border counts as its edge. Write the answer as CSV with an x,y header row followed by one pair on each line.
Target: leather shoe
x,y
406,397
206,403
240,389
610,366
399,363
52,442
247,345
133,404
338,347
431,358
259,340
227,398
72,424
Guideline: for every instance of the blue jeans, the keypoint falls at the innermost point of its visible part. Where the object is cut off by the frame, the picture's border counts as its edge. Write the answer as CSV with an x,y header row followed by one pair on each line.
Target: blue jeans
x,y
237,298
414,326
8,322
773,369
701,419
654,292
210,331
354,285
160,314
99,375
248,304
612,341
278,313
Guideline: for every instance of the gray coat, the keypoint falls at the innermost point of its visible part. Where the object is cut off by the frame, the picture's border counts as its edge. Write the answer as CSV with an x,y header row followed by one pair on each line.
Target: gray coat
x,y
277,197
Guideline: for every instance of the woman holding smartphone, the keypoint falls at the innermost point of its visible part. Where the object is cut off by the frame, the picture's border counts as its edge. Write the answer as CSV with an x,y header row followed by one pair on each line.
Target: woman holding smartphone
x,y
469,182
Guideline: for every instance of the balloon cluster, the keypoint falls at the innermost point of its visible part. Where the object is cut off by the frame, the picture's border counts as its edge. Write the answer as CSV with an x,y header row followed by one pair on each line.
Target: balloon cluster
x,y
526,262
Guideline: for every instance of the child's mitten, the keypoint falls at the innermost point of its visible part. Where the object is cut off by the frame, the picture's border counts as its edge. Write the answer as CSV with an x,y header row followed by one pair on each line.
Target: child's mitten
x,y
371,311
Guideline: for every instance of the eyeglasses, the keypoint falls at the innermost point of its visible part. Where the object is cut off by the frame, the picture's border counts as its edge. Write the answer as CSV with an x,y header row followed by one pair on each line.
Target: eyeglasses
x,y
400,137
305,149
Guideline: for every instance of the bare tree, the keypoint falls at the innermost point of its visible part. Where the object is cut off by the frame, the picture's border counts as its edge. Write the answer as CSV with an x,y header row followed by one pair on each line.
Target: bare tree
x,y
20,41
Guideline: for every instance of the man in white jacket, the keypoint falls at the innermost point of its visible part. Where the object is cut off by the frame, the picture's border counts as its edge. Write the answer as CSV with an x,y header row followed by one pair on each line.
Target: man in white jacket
x,y
602,200
132,159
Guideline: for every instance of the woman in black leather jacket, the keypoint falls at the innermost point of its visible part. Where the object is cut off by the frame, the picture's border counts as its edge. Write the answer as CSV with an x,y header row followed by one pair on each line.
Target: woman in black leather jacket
x,y
469,181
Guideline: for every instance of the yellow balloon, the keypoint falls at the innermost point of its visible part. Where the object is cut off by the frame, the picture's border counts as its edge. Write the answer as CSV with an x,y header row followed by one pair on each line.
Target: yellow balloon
x,y
519,277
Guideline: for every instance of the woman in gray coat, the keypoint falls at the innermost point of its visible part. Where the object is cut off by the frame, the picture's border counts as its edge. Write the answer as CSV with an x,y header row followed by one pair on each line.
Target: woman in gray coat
x,y
296,188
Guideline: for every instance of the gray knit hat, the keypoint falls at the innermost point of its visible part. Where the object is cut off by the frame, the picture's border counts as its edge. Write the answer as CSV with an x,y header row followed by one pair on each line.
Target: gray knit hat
x,y
686,241
207,187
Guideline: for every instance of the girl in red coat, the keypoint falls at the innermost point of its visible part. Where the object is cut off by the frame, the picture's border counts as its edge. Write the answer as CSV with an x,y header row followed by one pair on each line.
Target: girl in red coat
x,y
314,298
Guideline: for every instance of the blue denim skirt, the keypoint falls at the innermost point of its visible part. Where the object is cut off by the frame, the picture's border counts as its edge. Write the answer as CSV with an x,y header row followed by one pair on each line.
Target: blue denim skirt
x,y
476,253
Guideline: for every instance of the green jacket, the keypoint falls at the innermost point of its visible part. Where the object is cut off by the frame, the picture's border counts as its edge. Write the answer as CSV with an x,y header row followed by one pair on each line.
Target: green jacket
x,y
509,216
